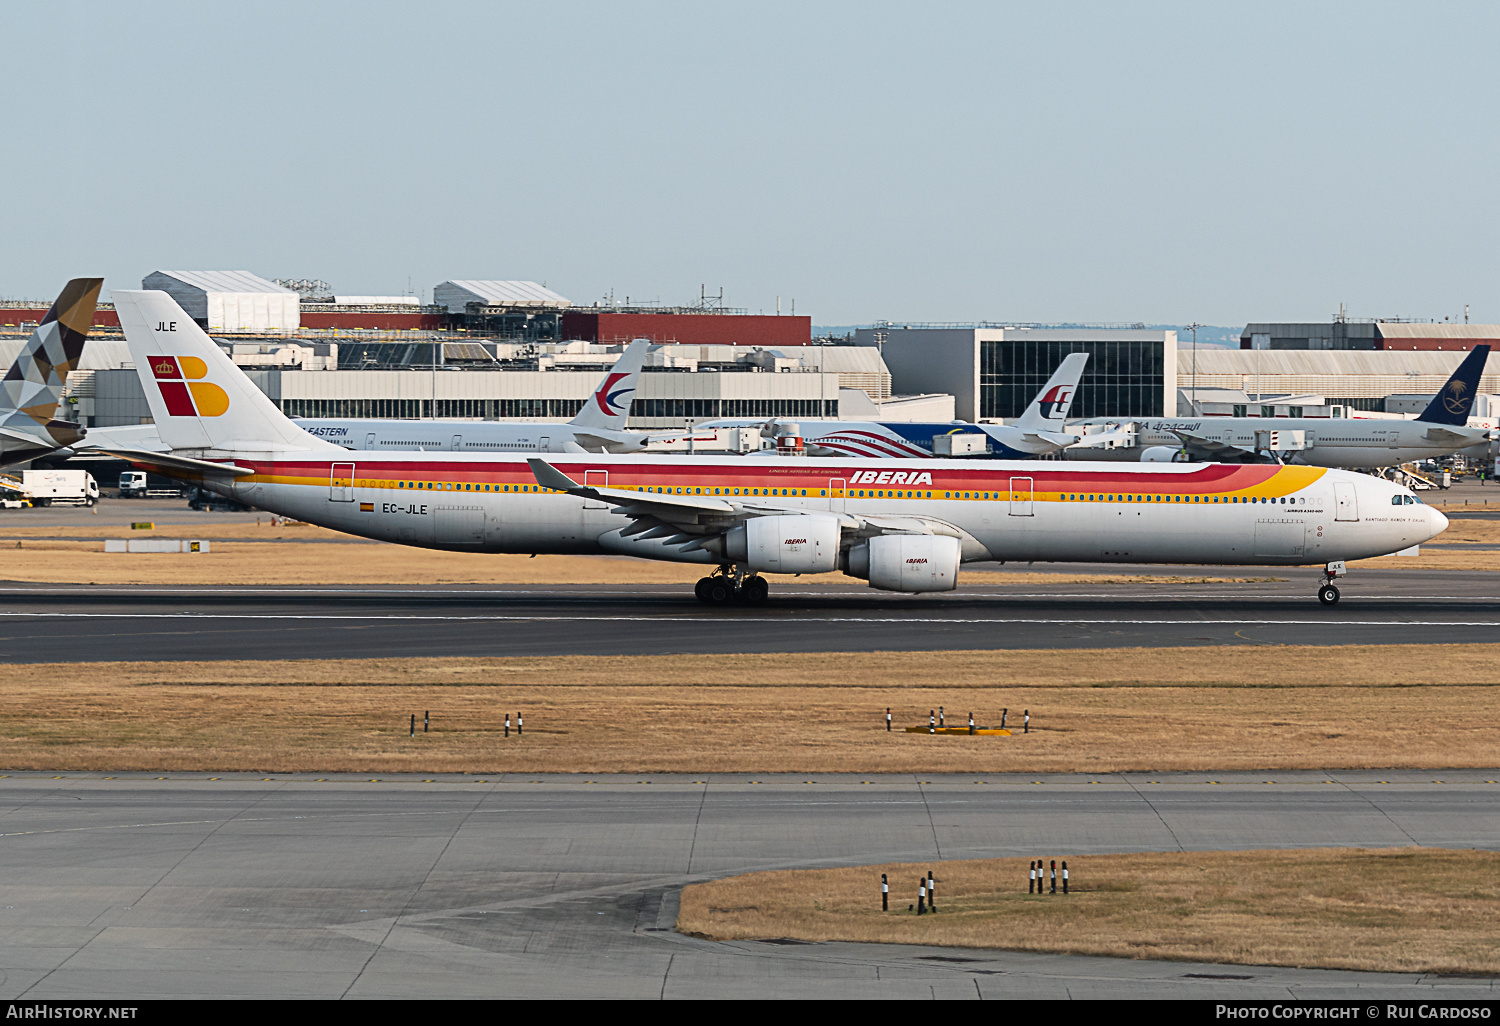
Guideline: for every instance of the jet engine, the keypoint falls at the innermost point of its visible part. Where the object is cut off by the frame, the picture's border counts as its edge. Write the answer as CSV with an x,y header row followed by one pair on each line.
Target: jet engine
x,y
792,544
1163,454
907,562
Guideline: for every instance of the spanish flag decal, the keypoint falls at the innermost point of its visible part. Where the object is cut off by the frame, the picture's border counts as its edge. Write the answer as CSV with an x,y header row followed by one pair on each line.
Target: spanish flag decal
x,y
367,507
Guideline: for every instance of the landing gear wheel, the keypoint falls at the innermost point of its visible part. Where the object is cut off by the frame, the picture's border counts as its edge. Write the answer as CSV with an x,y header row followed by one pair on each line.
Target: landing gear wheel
x,y
719,591
701,589
755,591
1328,595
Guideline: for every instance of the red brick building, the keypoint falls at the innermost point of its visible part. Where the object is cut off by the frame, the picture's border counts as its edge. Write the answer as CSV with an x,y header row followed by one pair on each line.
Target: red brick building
x,y
687,328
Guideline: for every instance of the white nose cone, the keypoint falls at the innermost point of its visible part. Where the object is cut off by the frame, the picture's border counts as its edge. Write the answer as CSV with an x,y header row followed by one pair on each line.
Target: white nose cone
x,y
1437,523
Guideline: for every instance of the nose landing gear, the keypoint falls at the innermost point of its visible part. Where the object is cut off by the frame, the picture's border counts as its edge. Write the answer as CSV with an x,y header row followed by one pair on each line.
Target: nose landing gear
x,y
1328,594
731,584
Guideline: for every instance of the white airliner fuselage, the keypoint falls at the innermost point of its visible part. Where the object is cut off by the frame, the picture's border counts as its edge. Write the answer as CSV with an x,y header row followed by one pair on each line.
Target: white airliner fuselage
x,y
1347,443
902,525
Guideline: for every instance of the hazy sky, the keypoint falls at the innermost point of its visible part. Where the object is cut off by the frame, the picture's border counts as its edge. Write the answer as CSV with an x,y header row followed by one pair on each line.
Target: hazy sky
x,y
924,161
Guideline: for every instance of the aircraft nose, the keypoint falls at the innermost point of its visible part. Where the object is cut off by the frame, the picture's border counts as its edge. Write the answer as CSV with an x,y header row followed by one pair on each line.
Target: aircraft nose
x,y
1437,522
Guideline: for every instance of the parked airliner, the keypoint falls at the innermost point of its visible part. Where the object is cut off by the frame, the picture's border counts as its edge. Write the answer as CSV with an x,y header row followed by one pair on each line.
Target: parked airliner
x,y
1039,430
598,427
1326,442
902,525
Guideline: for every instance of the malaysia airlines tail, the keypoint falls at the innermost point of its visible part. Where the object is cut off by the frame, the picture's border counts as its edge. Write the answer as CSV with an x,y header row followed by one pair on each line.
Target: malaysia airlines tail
x,y
609,407
1049,409
198,397
1453,404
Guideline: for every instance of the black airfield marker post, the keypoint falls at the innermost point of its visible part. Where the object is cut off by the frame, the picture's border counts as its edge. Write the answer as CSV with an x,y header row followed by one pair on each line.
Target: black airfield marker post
x,y
1026,723
1054,876
1031,878
885,894
931,893
518,724
941,723
921,895
931,722
1003,713
507,724
887,719
1065,876
413,724
971,723
426,720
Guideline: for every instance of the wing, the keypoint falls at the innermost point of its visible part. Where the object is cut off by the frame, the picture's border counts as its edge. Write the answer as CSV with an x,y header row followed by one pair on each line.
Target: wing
x,y
693,521
1443,436
175,466
1056,439
1198,445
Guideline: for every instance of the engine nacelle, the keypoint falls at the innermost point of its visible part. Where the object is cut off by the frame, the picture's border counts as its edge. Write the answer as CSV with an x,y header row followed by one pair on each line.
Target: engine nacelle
x,y
907,562
1163,454
793,544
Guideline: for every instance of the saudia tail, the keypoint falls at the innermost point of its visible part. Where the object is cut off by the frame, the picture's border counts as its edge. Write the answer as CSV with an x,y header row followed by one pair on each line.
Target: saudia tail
x,y
1452,405
198,397
609,406
1049,409
33,387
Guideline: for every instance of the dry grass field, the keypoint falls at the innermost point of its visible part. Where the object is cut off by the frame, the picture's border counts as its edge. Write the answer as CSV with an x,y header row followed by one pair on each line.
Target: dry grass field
x,y
1252,707
1393,910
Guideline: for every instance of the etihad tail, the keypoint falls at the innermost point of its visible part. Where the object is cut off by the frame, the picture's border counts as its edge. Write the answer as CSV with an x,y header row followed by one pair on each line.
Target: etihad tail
x,y
32,389
199,398
609,406
1049,409
1454,403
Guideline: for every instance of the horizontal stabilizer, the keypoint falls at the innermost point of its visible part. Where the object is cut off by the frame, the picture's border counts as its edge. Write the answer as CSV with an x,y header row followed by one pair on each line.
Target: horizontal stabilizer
x,y
180,464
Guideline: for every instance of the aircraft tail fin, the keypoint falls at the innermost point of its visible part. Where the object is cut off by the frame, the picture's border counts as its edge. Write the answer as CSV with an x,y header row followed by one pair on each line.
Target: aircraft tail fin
x,y
609,406
32,388
1049,409
199,398
1454,403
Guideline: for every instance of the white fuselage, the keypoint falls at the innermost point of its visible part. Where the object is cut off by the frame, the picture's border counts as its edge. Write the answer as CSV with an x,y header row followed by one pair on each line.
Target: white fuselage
x,y
477,436
875,439
374,435
1348,443
1109,512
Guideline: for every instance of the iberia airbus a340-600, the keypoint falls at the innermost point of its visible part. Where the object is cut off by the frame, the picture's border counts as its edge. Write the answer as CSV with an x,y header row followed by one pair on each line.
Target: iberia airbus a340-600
x,y
902,525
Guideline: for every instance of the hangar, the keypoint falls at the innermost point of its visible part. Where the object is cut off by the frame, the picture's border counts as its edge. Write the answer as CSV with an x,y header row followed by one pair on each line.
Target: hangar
x,y
230,301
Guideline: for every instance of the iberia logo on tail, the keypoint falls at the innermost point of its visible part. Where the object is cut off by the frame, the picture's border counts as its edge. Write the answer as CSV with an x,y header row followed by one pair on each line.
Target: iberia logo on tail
x,y
185,395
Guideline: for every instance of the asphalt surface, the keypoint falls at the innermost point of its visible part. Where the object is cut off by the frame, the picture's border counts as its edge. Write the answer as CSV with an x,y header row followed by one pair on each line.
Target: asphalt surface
x,y
41,623
160,885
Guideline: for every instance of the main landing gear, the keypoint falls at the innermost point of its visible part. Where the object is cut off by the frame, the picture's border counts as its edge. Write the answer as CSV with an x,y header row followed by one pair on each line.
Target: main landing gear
x,y
731,584
1328,594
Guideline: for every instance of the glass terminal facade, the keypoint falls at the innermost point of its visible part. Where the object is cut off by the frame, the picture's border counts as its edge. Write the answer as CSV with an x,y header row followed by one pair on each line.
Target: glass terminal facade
x,y
555,409
1122,379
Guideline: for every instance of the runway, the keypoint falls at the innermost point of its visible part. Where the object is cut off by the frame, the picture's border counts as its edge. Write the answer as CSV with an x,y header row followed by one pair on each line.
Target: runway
x,y
41,623
158,885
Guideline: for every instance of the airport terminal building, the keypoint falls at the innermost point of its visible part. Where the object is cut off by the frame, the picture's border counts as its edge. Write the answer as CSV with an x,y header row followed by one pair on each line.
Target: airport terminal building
x,y
994,372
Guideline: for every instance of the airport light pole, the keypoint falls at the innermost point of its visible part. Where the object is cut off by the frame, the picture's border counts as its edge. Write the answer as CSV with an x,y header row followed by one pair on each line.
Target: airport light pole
x,y
1194,329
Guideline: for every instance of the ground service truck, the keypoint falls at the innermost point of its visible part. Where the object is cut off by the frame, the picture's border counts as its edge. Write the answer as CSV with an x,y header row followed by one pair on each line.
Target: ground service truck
x,y
60,487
